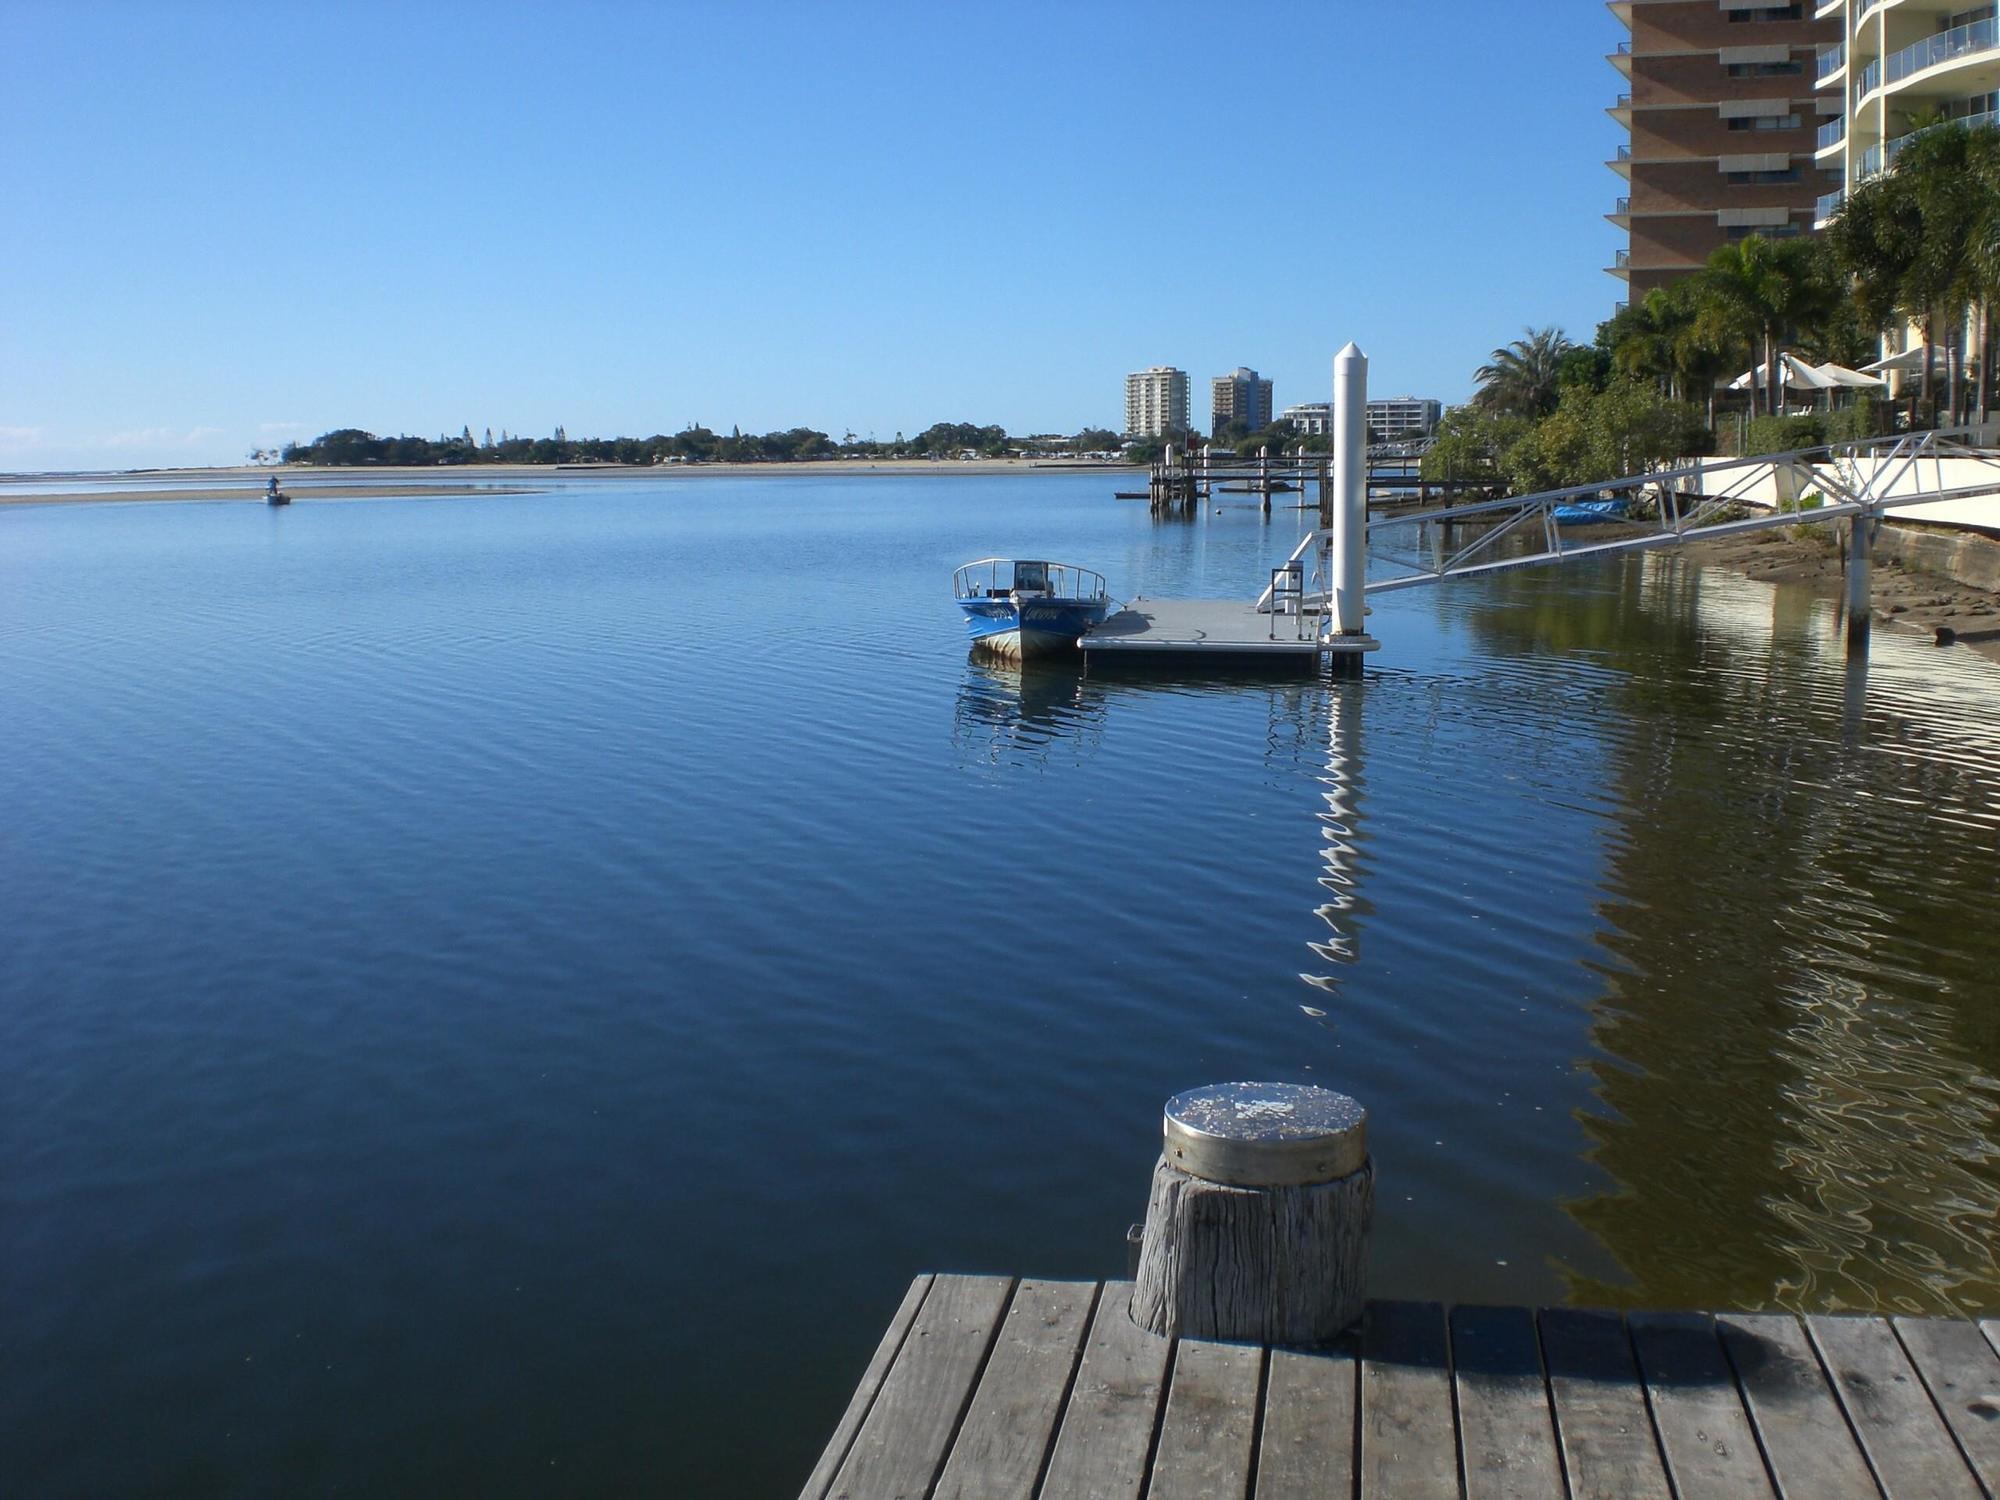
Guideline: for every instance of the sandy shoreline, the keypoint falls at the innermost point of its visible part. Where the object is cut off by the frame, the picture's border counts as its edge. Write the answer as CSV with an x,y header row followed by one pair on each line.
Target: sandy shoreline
x,y
317,483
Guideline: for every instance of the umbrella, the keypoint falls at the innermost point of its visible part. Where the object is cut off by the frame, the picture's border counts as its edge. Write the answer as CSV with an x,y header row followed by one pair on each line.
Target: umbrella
x,y
1792,371
1840,375
1908,362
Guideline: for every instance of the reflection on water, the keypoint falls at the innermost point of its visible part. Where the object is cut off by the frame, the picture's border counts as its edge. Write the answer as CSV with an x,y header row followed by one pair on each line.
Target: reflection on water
x,y
1014,713
1795,1093
1340,849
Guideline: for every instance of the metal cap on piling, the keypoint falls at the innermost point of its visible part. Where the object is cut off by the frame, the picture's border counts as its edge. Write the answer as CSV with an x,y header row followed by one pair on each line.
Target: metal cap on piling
x,y
1265,1134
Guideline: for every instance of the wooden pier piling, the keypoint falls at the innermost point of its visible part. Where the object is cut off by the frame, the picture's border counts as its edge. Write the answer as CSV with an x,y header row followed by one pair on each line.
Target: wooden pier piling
x,y
1257,1227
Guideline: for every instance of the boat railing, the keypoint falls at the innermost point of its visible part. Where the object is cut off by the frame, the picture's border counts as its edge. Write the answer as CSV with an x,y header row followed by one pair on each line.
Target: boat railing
x,y
997,577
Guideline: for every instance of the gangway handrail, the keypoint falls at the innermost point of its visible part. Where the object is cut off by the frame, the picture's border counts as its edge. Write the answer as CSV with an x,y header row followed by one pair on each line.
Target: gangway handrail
x,y
1688,511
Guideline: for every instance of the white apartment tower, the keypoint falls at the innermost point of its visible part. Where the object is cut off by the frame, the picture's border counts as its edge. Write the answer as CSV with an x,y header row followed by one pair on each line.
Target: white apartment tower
x,y
1899,63
1156,402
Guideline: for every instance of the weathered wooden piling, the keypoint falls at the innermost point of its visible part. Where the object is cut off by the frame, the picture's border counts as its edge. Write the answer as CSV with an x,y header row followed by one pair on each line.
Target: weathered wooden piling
x,y
1257,1226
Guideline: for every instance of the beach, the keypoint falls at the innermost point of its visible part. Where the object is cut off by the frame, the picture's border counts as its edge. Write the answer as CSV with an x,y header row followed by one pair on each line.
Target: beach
x,y
379,482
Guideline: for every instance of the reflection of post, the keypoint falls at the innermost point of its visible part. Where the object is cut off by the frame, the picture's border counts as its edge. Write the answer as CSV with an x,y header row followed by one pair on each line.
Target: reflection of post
x,y
1339,839
1350,488
1854,697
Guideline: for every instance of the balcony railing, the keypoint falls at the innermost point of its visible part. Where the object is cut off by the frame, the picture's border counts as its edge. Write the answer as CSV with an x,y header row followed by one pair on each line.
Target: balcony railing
x,y
1870,76
1868,164
1624,49
1885,155
1621,258
1622,207
1830,60
1833,132
1979,36
1829,204
1624,153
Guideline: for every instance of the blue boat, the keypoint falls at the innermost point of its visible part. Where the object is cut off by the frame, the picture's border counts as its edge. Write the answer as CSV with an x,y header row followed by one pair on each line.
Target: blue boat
x,y
1019,608
1583,512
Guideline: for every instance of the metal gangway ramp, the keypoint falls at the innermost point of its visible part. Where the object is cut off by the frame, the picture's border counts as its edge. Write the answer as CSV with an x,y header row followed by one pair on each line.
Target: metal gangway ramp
x,y
1671,507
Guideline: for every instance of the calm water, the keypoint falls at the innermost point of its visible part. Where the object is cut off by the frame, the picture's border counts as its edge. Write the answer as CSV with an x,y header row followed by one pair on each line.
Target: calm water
x,y
499,996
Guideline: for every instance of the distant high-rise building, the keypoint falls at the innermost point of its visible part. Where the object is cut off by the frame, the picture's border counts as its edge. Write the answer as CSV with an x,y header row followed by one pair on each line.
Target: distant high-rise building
x,y
1239,397
1313,418
1156,402
1722,120
1397,419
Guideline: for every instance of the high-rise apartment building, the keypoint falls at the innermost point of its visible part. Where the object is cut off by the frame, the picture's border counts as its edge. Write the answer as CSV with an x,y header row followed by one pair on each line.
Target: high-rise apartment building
x,y
1397,419
1722,121
1156,402
1891,67
1239,397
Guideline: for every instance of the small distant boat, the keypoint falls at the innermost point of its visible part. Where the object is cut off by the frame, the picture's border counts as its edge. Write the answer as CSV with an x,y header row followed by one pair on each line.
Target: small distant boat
x,y
1584,512
1020,608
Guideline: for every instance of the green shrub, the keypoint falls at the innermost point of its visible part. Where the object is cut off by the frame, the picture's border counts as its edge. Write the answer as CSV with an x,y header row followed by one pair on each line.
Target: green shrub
x,y
1784,434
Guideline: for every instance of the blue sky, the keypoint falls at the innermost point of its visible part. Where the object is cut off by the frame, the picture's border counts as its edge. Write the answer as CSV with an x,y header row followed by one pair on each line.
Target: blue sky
x,y
230,225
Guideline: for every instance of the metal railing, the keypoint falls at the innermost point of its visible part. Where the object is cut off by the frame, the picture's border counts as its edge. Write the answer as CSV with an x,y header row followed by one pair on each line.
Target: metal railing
x,y
1868,78
1704,499
1889,151
1960,41
1624,153
1049,580
1624,101
1832,60
1621,206
1620,259
1829,204
1832,133
1868,163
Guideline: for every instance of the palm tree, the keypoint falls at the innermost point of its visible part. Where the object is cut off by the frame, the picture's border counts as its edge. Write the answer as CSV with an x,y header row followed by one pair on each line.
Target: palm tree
x,y
1922,241
1765,292
1524,378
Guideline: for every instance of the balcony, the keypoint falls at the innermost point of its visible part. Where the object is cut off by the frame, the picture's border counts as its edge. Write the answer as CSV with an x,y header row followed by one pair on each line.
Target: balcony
x,y
1870,76
1828,205
1621,259
1832,133
1832,61
1960,41
1621,208
1624,153
1885,156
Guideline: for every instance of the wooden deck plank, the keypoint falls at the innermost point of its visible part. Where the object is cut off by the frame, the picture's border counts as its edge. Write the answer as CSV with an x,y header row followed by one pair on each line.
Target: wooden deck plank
x,y
1610,1451
1409,1448
1107,1429
1704,1431
864,1393
1307,1452
1962,1373
903,1440
1905,1439
1210,1427
1012,1419
1506,1437
1807,1444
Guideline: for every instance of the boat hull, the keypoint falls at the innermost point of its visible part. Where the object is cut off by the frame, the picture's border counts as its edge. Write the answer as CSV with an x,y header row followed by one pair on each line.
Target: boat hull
x,y
1029,629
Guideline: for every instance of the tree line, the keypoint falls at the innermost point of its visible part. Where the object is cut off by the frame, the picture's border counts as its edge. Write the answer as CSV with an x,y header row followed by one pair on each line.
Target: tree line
x,y
352,447
1917,244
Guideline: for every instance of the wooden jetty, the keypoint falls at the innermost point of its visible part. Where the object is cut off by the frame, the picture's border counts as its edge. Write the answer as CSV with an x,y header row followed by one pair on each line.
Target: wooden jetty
x,y
991,1387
